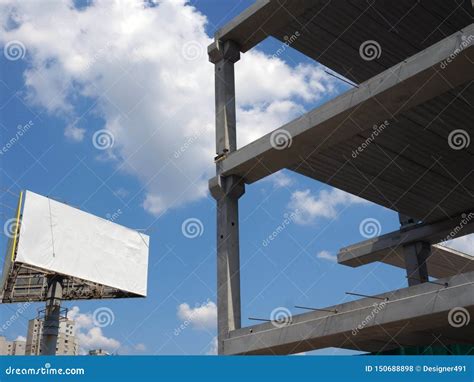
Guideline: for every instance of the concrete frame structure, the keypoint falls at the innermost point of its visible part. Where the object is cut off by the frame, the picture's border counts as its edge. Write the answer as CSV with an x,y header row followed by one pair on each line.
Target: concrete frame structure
x,y
403,86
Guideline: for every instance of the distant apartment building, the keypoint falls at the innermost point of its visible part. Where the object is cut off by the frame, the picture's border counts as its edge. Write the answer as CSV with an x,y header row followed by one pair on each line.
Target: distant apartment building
x,y
67,342
16,347
98,352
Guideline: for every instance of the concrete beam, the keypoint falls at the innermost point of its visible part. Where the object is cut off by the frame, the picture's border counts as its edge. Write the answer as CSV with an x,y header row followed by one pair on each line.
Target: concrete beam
x,y
388,248
413,316
385,96
260,20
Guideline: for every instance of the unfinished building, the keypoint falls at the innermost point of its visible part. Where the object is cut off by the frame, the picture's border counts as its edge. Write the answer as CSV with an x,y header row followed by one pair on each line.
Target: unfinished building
x,y
412,64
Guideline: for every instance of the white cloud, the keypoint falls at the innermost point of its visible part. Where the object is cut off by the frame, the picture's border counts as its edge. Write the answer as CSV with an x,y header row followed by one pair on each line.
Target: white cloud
x,y
89,335
146,68
324,205
213,347
326,255
280,179
140,347
93,338
200,317
20,338
74,133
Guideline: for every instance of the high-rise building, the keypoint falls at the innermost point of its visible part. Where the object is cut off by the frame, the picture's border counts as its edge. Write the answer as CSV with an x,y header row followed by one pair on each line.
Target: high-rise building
x,y
16,347
67,343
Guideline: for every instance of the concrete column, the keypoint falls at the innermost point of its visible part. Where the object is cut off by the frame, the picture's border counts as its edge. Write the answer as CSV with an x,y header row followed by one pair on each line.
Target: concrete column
x,y
415,255
226,191
223,56
52,316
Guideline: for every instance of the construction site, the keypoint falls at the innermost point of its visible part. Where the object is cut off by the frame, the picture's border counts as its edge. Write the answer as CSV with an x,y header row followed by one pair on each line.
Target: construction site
x,y
398,137
421,87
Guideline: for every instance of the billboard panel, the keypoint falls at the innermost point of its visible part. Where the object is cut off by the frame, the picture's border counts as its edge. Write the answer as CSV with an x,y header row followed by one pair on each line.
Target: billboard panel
x,y
63,239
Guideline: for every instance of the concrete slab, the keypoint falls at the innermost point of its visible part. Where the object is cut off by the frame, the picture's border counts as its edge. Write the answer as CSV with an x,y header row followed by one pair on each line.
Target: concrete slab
x,y
420,315
420,102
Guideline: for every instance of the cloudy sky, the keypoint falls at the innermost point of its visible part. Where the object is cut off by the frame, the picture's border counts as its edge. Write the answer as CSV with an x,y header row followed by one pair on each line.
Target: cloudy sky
x,y
119,100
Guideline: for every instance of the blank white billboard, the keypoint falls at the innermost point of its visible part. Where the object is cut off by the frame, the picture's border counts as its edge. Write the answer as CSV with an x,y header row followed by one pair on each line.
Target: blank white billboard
x,y
66,240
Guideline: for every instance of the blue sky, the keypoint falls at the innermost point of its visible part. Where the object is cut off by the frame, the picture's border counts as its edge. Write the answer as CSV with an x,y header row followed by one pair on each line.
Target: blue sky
x,y
182,270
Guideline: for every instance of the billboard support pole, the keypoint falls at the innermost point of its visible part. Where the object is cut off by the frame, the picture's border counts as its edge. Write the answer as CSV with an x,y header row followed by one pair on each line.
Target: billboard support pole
x,y
52,316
